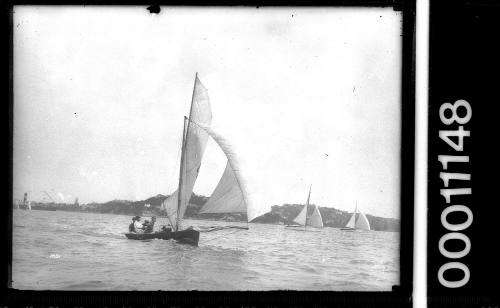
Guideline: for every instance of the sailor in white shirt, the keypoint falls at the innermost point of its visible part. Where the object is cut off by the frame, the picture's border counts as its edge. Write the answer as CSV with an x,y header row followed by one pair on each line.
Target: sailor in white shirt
x,y
138,225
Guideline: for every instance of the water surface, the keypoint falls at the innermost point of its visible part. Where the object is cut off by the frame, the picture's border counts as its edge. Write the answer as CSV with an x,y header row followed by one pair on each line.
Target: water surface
x,y
87,251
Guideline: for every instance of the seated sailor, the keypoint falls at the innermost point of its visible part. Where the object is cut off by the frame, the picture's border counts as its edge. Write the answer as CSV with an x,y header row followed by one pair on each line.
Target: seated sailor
x,y
149,225
131,227
138,227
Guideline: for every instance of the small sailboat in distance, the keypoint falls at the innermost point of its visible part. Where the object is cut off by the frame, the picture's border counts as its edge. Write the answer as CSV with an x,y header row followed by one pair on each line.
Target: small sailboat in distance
x,y
357,222
304,220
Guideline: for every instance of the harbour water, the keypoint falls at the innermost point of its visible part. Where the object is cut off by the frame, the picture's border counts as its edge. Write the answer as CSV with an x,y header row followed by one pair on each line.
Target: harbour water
x,y
56,250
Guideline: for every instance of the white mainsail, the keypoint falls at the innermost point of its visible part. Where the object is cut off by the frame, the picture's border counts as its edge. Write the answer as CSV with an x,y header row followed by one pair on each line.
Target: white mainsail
x,y
195,141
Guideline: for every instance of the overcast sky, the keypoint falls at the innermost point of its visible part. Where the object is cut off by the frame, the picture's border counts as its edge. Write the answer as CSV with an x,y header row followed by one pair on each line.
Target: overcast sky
x,y
306,96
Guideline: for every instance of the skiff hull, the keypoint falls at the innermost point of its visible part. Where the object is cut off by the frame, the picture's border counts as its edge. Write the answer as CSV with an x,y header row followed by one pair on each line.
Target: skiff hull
x,y
348,229
188,236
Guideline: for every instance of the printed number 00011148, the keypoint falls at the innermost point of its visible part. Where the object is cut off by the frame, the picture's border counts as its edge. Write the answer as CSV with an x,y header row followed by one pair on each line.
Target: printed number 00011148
x,y
460,133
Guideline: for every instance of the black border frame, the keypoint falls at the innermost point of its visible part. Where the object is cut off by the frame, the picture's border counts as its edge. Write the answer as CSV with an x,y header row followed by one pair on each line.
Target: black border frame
x,y
463,64
399,297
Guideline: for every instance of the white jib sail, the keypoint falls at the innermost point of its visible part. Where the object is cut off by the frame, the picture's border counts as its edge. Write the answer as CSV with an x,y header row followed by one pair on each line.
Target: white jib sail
x,y
362,222
315,220
169,207
230,195
195,143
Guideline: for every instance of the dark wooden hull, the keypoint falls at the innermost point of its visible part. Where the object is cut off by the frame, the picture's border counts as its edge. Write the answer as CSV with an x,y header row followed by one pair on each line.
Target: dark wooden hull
x,y
188,236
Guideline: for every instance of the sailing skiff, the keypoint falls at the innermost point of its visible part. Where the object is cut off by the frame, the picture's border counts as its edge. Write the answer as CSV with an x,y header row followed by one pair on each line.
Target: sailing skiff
x,y
230,195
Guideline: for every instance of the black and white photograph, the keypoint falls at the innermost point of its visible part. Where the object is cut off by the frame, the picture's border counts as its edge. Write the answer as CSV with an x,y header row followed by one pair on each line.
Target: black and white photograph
x,y
206,148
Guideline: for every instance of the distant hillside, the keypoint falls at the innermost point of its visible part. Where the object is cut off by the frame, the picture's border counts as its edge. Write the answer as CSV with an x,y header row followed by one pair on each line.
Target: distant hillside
x,y
279,214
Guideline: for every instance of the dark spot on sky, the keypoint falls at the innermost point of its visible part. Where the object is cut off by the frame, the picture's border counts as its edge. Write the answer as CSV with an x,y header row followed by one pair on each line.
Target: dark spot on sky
x,y
292,15
154,9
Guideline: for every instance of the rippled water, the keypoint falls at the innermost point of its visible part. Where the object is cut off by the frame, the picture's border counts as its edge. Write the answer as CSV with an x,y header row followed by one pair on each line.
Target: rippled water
x,y
86,251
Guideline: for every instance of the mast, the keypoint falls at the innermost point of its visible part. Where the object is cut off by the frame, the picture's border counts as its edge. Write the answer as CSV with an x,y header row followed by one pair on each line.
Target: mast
x,y
179,191
185,132
307,205
355,212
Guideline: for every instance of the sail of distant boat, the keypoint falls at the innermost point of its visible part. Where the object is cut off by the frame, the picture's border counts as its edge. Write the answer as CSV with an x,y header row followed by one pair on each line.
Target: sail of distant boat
x,y
314,220
358,220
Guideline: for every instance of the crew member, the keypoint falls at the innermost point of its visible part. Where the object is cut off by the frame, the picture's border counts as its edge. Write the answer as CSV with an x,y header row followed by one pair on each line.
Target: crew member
x,y
138,227
148,226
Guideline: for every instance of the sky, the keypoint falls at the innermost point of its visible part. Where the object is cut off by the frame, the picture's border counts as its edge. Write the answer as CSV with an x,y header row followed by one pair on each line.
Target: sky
x,y
307,96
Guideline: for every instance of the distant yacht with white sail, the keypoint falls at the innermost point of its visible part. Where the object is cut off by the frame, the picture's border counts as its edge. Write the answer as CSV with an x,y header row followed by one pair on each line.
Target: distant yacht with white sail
x,y
304,220
358,221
